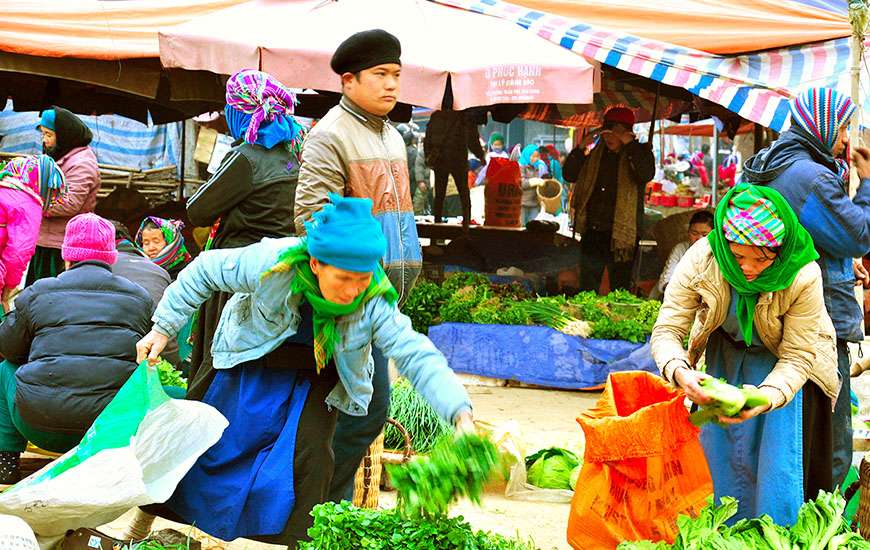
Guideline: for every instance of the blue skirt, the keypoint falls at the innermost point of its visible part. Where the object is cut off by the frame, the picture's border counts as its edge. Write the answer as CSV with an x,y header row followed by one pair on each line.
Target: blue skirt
x,y
760,461
243,486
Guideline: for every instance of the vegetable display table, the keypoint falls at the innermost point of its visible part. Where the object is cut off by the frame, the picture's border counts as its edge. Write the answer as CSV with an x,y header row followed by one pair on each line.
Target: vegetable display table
x,y
537,355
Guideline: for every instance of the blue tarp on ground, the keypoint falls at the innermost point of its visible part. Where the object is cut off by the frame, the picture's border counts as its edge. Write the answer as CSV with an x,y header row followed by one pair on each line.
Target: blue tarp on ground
x,y
537,355
118,141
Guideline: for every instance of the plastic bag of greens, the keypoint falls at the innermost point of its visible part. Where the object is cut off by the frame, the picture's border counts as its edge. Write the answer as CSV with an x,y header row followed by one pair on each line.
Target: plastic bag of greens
x,y
135,453
509,440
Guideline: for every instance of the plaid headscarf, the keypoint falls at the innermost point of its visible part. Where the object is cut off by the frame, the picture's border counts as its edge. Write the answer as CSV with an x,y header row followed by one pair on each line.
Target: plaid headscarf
x,y
260,95
752,219
821,112
174,252
41,175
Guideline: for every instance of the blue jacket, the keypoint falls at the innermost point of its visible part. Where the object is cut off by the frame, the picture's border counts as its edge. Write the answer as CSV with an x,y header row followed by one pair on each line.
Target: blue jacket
x,y
840,226
263,313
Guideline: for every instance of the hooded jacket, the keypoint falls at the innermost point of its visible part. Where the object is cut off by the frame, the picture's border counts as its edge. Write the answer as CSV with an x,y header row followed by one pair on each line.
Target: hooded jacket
x,y
78,163
807,177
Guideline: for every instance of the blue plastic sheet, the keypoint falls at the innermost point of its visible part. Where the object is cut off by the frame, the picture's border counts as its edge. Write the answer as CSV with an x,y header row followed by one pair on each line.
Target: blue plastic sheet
x,y
537,355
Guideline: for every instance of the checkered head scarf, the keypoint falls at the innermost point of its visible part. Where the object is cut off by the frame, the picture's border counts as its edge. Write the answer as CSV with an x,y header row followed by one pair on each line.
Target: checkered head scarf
x,y
752,219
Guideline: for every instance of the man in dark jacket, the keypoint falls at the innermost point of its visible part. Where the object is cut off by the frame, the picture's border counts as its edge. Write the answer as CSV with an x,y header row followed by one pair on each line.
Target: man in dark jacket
x,y
607,200
450,135
74,337
803,166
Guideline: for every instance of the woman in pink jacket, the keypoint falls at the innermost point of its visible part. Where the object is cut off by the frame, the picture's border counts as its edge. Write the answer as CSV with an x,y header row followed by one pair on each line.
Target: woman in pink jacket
x,y
28,187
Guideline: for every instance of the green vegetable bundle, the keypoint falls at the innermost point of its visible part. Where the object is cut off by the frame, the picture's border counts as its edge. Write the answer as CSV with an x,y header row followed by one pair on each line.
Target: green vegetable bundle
x,y
819,526
342,526
728,400
409,408
169,376
551,468
472,298
455,468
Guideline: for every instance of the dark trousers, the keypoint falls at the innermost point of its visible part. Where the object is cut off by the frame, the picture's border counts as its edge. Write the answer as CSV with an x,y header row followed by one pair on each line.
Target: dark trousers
x,y
843,417
354,434
595,256
459,170
818,441
46,262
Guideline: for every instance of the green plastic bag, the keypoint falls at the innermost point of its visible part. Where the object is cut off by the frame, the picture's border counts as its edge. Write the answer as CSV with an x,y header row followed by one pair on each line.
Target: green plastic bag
x,y
134,454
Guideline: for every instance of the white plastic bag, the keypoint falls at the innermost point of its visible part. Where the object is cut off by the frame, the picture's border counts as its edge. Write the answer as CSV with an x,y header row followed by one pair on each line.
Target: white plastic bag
x,y
136,452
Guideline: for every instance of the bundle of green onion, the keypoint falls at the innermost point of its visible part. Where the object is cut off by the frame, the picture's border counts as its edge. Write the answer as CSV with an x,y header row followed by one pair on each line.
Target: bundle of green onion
x,y
408,408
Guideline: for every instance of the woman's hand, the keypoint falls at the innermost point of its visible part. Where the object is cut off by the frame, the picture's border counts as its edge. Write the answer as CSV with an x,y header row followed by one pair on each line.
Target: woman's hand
x,y
465,423
690,382
150,347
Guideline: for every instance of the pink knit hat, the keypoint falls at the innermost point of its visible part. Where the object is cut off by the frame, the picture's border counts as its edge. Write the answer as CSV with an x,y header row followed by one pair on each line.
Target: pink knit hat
x,y
89,237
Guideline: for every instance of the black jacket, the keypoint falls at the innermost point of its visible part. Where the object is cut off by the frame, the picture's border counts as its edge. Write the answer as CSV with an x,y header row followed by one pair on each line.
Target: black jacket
x,y
449,137
252,193
74,337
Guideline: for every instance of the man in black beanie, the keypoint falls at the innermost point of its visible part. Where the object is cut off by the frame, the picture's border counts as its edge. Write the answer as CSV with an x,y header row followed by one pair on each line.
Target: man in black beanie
x,y
353,151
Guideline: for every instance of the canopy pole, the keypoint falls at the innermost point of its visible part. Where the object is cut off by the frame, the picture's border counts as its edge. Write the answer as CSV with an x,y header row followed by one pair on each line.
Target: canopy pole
x,y
652,120
858,13
714,177
858,19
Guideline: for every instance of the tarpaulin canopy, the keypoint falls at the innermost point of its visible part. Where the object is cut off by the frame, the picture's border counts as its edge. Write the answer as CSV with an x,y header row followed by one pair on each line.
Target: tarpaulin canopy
x,y
96,57
487,61
714,26
95,29
756,86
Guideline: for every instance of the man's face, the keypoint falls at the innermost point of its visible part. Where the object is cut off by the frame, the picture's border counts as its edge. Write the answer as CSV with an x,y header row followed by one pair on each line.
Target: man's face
x,y
49,139
376,90
338,285
613,137
842,140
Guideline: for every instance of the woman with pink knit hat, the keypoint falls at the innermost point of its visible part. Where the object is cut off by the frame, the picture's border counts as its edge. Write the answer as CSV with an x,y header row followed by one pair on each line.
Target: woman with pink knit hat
x,y
28,187
69,345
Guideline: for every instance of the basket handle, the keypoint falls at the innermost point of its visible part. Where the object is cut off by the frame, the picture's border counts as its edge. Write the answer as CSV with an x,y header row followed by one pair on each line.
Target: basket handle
x,y
406,453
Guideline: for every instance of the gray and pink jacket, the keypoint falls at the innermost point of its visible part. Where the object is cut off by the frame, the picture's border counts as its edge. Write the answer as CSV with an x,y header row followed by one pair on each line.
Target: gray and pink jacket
x,y
357,154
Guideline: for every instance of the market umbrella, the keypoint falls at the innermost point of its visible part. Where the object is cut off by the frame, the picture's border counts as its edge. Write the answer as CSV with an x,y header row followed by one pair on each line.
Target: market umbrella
x,y
488,61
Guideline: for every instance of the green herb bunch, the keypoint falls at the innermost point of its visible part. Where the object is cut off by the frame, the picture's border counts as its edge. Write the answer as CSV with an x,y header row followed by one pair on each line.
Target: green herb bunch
x,y
342,526
455,468
409,408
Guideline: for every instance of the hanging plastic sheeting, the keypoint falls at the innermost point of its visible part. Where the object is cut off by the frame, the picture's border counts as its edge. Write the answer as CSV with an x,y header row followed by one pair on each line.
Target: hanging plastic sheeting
x,y
537,355
118,141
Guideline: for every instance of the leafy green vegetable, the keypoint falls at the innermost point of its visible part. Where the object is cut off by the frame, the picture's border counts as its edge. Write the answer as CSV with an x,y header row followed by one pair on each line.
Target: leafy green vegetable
x,y
409,408
169,376
551,468
455,468
343,527
423,304
819,526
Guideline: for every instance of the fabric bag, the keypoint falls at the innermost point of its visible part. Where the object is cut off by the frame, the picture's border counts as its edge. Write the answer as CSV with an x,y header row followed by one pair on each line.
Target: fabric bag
x,y
134,454
503,193
643,466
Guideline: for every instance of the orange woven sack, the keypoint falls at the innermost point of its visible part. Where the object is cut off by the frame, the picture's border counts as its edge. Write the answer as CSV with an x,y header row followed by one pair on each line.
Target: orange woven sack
x,y
643,467
503,193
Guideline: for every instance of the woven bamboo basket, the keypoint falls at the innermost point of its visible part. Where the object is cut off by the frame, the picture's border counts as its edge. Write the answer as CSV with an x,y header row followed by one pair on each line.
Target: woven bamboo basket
x,y
367,481
861,522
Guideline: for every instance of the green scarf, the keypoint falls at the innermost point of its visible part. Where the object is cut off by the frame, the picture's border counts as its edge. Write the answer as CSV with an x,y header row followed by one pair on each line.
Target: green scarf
x,y
796,252
304,282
